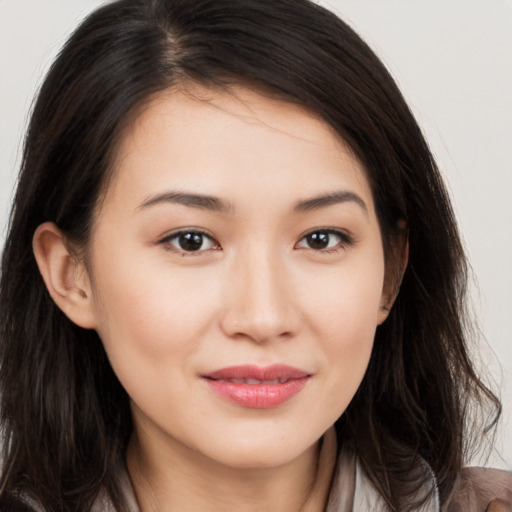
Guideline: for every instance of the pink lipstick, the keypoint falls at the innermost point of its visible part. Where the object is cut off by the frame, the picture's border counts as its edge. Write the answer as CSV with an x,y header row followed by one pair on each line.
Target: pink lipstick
x,y
257,388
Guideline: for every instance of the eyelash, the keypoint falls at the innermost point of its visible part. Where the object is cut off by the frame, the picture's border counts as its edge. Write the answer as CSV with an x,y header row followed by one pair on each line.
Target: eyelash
x,y
167,242
345,240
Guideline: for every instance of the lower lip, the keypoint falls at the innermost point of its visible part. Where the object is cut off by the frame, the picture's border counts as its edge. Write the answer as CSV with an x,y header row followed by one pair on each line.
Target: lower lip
x,y
257,396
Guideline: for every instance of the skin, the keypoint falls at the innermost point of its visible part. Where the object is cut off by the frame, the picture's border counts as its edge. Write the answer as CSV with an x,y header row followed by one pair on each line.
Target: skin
x,y
255,292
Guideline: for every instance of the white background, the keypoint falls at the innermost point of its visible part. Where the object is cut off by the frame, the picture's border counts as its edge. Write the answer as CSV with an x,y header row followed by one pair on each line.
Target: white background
x,y
452,60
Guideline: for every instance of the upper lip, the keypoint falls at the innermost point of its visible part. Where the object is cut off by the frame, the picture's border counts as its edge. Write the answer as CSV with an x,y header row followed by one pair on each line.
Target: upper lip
x,y
269,373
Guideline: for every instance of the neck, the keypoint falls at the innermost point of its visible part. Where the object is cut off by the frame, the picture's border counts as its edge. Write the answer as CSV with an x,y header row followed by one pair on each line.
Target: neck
x,y
188,481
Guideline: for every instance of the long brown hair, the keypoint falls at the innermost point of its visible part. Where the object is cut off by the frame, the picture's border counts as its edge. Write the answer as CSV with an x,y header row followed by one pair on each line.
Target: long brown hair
x,y
65,417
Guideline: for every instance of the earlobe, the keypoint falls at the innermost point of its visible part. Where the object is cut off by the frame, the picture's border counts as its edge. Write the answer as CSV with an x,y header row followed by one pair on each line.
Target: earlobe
x,y
383,314
395,269
65,277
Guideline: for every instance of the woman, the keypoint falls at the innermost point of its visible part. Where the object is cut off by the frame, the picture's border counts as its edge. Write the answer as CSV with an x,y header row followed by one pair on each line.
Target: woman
x,y
232,278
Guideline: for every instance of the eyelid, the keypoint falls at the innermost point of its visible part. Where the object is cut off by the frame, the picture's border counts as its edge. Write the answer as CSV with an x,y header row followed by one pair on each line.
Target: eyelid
x,y
166,241
346,239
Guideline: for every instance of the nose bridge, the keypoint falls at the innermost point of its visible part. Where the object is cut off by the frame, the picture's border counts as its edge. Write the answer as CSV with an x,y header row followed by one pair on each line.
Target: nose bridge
x,y
260,302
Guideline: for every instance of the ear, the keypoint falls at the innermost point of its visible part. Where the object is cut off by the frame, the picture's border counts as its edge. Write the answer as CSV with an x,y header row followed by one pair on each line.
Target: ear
x,y
396,263
65,276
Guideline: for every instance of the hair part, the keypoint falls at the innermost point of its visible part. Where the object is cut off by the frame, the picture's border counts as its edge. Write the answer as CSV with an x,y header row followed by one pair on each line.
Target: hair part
x,y
65,417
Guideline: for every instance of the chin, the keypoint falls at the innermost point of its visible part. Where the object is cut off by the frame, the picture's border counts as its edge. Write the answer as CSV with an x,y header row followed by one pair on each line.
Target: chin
x,y
258,452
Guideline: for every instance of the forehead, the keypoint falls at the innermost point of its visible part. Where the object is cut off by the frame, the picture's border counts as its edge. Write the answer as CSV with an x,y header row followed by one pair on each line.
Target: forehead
x,y
239,104
215,139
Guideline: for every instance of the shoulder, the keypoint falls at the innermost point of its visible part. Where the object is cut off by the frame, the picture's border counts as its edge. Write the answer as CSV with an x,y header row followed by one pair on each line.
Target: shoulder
x,y
478,487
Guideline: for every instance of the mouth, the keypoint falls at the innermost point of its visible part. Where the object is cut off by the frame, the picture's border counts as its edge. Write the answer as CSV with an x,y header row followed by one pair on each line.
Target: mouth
x,y
257,388
254,381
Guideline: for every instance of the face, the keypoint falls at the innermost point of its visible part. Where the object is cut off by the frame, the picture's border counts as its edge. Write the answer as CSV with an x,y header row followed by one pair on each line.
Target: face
x,y
236,273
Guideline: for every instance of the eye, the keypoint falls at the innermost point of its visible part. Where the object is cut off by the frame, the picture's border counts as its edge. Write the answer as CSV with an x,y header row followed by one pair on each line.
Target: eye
x,y
325,240
192,241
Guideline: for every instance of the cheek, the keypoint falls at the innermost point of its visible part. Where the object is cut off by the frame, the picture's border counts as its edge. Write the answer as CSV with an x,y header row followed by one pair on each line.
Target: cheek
x,y
151,323
343,310
151,311
345,304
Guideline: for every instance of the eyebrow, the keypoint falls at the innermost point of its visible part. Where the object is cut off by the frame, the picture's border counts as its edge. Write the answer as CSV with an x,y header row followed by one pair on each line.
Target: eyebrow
x,y
203,202
215,204
325,200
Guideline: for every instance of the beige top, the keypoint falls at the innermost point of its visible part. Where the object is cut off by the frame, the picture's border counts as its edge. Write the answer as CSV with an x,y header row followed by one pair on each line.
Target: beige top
x,y
351,491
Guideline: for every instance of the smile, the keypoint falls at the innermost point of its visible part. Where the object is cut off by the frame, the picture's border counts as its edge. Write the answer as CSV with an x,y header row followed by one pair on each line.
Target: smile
x,y
257,388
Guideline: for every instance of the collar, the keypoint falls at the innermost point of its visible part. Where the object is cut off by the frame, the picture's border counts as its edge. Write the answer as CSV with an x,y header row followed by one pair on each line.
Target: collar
x,y
350,488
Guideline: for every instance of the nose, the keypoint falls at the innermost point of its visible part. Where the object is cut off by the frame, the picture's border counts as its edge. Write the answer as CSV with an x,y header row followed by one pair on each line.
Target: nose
x,y
261,304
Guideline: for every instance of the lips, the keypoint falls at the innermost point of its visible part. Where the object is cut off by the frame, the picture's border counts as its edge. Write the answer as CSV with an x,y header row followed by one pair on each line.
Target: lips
x,y
258,388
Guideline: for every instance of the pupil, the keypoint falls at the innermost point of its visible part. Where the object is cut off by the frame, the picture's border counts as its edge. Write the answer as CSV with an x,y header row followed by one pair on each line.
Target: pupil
x,y
319,240
191,241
